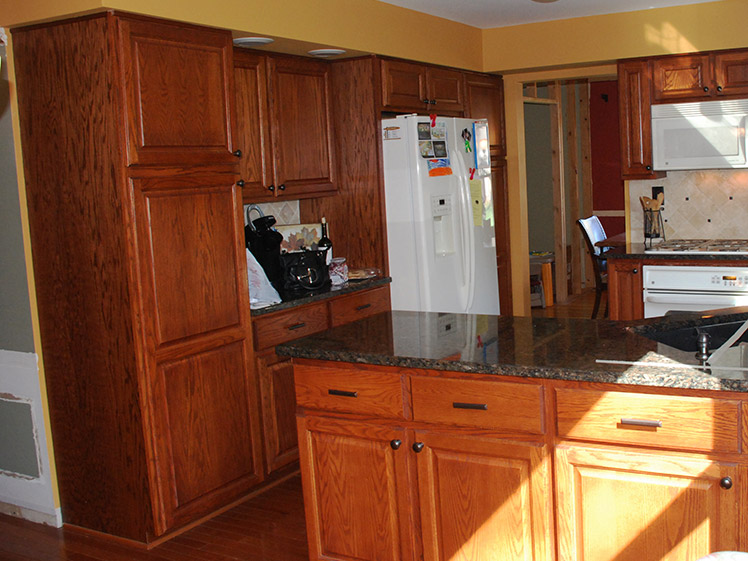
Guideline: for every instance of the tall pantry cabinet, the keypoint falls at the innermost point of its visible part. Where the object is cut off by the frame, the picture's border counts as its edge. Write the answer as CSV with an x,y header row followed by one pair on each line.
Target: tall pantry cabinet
x,y
138,255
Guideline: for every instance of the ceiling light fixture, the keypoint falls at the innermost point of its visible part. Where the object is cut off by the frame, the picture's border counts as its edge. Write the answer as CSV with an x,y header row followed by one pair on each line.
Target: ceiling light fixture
x,y
324,53
252,41
544,1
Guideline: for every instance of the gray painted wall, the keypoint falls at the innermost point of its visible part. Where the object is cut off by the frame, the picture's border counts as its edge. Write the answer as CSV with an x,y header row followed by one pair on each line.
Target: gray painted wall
x,y
15,316
539,177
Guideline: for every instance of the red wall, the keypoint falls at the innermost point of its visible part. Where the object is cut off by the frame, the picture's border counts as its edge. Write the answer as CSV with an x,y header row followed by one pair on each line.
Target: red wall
x,y
607,185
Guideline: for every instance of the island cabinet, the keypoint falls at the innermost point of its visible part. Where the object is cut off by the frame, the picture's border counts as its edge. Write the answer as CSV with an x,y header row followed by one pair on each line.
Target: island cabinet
x,y
421,88
136,223
284,126
405,463
700,77
625,300
399,467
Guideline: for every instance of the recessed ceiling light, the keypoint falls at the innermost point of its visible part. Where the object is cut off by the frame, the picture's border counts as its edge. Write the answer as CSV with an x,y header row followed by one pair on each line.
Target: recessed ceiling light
x,y
544,1
324,53
250,41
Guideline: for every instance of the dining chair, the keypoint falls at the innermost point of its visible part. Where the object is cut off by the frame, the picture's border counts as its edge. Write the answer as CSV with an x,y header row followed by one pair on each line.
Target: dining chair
x,y
594,232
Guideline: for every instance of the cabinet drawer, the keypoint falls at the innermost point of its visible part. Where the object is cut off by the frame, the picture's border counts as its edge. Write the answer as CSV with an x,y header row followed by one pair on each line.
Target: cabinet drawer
x,y
352,307
349,391
670,421
496,405
280,327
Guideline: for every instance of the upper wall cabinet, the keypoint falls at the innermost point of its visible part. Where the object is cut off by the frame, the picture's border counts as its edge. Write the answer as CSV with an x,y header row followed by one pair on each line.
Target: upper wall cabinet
x,y
284,127
178,92
418,87
485,100
634,104
700,77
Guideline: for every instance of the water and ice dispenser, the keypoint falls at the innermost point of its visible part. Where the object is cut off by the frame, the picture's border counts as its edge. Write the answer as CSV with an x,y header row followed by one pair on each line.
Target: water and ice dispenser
x,y
442,218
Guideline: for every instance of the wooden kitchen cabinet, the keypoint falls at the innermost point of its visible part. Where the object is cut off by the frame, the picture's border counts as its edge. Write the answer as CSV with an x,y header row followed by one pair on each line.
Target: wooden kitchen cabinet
x,y
625,299
635,119
284,124
421,88
700,77
485,100
622,504
142,287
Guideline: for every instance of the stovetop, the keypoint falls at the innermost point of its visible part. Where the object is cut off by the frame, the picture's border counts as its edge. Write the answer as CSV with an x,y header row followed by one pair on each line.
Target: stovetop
x,y
700,246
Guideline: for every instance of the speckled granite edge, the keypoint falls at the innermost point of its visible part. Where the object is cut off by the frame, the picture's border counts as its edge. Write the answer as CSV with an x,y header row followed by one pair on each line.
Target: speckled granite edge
x,y
349,287
682,376
637,251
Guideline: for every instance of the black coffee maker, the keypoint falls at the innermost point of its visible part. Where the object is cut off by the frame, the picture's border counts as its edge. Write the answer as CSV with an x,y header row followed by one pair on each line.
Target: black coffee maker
x,y
264,243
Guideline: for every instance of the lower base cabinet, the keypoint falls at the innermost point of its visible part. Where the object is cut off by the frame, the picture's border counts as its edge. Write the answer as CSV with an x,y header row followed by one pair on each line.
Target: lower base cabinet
x,y
278,405
623,505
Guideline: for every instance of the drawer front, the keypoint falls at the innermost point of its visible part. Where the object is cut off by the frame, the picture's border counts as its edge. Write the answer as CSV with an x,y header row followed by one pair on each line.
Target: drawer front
x,y
349,391
670,421
495,405
280,327
352,307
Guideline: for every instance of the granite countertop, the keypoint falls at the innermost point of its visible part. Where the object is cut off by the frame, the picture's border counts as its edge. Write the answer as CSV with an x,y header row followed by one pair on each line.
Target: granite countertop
x,y
637,251
347,288
552,348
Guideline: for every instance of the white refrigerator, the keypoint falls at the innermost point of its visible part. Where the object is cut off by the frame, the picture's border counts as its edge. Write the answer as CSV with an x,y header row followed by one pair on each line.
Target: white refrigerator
x,y
440,222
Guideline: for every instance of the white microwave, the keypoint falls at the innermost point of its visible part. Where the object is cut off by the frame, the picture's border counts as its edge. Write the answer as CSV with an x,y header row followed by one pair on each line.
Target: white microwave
x,y
701,135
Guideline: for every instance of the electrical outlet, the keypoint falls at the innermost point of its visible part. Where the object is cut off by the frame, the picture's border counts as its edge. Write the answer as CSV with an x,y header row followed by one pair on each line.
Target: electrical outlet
x,y
656,190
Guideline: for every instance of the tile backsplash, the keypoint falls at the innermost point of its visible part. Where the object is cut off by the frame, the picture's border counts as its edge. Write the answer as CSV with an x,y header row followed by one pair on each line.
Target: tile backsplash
x,y
698,204
285,212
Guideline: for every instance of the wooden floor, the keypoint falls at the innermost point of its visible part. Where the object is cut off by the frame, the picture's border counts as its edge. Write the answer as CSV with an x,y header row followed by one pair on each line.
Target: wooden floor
x,y
269,527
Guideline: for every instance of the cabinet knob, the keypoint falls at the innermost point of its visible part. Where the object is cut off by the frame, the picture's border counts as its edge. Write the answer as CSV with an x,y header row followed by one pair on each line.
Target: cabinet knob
x,y
719,88
648,168
634,270
395,444
432,101
238,153
271,187
725,483
240,183
417,447
282,186
706,88
426,101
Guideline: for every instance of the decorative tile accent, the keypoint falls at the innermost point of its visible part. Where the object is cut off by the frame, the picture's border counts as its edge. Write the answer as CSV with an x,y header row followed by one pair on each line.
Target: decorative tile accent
x,y
711,204
285,212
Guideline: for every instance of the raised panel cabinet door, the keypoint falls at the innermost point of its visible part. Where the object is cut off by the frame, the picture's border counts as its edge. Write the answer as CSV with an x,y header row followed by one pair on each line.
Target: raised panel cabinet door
x,y
178,83
278,401
635,118
207,443
252,127
485,100
484,499
299,94
682,77
625,290
404,85
191,256
445,89
503,247
623,505
731,73
356,492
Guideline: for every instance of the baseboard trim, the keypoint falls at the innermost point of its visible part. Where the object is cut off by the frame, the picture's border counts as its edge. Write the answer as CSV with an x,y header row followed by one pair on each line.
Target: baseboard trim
x,y
48,519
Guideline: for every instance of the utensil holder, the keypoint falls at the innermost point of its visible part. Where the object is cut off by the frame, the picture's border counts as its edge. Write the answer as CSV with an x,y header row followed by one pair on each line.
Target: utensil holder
x,y
653,227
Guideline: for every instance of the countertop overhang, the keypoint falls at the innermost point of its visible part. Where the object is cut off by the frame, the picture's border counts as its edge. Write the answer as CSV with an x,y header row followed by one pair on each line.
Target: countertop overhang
x,y
550,348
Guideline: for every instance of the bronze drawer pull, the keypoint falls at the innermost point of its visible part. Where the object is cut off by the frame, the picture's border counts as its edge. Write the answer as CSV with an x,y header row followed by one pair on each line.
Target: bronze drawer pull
x,y
296,326
477,406
641,423
362,307
343,393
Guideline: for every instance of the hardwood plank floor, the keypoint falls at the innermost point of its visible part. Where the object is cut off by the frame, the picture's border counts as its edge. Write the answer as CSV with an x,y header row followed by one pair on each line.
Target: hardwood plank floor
x,y
579,306
269,527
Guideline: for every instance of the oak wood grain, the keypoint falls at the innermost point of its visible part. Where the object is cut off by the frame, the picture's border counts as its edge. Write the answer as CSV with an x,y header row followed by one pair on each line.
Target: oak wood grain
x,y
359,305
277,328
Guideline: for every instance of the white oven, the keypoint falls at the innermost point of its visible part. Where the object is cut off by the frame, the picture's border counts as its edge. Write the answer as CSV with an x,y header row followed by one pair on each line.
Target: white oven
x,y
696,289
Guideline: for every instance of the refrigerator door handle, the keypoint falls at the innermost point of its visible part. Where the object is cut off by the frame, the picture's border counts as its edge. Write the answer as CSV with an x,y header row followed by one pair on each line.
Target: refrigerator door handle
x,y
468,234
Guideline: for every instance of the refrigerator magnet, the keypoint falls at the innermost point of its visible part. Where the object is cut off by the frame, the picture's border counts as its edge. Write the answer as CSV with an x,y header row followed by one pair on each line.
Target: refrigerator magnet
x,y
424,131
439,167
426,147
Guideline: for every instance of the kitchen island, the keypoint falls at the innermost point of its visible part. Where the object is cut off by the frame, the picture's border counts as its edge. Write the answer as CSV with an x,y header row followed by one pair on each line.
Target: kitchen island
x,y
441,436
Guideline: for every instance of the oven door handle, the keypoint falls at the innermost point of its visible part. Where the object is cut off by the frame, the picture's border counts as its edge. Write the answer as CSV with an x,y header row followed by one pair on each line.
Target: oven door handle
x,y
708,298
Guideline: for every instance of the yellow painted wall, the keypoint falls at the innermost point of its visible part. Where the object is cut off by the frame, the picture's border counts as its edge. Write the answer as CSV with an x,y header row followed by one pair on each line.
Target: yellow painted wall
x,y
697,27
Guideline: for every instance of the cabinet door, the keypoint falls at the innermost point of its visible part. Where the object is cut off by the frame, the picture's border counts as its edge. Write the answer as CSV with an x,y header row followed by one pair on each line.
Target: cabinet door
x,y
625,300
682,77
485,100
445,90
503,247
200,400
356,492
484,499
635,118
301,127
178,82
252,126
731,73
278,401
627,506
404,85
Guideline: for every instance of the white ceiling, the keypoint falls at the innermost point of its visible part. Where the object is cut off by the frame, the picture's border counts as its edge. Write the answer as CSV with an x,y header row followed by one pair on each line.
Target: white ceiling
x,y
486,14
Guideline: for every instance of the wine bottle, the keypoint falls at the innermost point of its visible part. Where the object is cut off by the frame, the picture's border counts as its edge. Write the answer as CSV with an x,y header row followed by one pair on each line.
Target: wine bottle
x,y
324,243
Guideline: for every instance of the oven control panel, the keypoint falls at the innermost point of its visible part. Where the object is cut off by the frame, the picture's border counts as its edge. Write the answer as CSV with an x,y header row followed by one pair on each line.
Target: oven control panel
x,y
730,280
683,278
